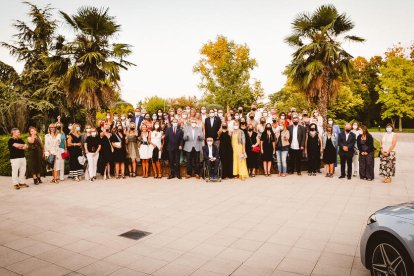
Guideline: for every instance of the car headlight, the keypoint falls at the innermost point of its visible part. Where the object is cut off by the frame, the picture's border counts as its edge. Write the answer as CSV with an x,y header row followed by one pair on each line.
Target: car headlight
x,y
372,218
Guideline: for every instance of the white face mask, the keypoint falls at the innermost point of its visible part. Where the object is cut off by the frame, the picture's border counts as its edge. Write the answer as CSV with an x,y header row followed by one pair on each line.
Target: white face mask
x,y
209,143
236,127
193,124
94,134
154,118
174,124
203,111
236,117
160,114
184,116
77,128
70,127
115,118
330,122
389,129
156,126
282,117
137,114
123,118
220,114
264,114
108,116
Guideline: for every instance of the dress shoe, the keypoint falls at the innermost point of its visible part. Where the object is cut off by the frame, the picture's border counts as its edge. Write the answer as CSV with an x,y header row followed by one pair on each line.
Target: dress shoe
x,y
349,177
187,176
197,176
170,177
342,176
179,177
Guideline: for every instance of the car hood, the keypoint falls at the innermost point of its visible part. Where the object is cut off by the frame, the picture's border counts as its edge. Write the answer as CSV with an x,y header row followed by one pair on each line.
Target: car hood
x,y
403,210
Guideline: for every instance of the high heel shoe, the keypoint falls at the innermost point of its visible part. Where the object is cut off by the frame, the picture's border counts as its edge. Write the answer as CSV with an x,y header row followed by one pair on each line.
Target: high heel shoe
x,y
39,180
35,181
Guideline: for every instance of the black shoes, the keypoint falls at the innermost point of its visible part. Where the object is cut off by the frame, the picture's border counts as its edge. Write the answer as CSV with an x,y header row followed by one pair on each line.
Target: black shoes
x,y
342,176
170,177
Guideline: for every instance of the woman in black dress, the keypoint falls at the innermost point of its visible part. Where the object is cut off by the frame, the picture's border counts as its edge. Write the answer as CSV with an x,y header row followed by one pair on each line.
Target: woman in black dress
x,y
313,149
106,154
35,155
268,148
226,152
119,156
75,151
252,141
330,143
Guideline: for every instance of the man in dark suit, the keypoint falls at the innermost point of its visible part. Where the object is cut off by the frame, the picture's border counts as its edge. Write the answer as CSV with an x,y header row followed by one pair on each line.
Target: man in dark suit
x,y
174,140
346,144
138,118
296,145
212,125
211,157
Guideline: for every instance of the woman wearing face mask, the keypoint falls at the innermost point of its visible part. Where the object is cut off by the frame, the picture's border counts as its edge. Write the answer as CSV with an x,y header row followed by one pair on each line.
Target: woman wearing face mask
x,y
157,141
145,149
159,115
62,149
92,148
318,120
251,120
131,141
75,151
185,122
313,149
52,142
147,121
226,152
330,146
119,155
283,117
261,127
252,146
35,155
282,137
387,155
366,149
106,153
355,159
238,142
268,148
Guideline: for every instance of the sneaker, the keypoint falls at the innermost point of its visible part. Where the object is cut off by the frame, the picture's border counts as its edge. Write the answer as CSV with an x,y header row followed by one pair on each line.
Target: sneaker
x,y
17,187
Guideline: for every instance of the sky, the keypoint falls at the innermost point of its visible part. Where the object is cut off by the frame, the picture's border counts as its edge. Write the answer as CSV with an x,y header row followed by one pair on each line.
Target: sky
x,y
167,35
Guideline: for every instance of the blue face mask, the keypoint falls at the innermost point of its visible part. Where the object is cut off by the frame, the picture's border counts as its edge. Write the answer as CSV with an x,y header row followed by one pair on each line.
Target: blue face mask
x,y
389,129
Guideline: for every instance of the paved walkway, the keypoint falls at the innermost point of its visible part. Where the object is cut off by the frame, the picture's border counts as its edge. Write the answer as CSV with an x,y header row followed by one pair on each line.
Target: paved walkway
x,y
262,226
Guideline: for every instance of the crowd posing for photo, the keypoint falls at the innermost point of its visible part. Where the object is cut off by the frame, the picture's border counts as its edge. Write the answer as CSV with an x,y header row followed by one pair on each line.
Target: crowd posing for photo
x,y
232,144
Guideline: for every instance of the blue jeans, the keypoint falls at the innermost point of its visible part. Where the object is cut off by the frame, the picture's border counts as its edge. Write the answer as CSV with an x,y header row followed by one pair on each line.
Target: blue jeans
x,y
281,160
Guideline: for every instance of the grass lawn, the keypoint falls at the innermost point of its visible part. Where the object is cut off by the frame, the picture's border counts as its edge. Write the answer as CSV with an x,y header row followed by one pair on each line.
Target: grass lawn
x,y
405,130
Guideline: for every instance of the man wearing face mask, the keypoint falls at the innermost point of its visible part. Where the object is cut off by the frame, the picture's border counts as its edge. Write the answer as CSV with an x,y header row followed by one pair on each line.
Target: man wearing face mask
x,y
346,144
212,125
297,137
211,157
193,138
138,118
63,148
174,140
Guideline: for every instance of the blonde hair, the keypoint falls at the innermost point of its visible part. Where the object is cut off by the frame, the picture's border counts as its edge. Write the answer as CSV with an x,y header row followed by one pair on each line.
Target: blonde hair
x,y
52,125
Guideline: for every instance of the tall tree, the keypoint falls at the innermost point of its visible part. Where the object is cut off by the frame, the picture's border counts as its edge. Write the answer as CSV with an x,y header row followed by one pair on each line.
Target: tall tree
x,y
225,69
396,89
319,62
34,94
88,67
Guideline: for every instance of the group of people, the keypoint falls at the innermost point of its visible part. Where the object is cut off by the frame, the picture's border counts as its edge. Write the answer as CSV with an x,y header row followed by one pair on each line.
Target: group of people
x,y
236,142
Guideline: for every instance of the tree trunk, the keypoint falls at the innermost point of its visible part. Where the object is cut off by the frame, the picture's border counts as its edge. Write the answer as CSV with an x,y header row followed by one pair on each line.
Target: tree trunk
x,y
400,124
91,117
323,105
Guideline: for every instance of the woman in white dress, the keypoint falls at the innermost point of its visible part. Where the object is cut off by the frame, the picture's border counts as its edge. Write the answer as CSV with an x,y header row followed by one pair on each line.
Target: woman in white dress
x,y
157,144
145,149
52,142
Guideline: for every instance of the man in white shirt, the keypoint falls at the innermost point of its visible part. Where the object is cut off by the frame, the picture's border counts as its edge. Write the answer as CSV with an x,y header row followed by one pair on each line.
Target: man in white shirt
x,y
297,144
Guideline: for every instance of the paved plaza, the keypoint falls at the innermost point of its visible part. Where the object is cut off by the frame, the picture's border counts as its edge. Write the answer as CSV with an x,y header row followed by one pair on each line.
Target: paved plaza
x,y
298,225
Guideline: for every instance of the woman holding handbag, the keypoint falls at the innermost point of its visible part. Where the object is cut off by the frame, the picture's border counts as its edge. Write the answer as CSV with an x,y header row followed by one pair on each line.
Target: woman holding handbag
x,y
75,151
238,142
282,147
118,143
52,151
268,148
252,150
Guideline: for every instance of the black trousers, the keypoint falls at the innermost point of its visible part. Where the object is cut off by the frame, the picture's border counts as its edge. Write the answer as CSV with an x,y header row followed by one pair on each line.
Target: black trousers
x,y
193,161
174,159
346,159
213,167
295,160
366,166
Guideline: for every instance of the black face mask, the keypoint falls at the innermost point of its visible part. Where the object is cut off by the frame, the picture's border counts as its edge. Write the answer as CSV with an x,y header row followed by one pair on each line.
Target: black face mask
x,y
268,128
240,110
295,123
58,128
250,130
312,129
254,109
120,129
262,122
224,127
108,130
347,130
243,123
132,128
251,117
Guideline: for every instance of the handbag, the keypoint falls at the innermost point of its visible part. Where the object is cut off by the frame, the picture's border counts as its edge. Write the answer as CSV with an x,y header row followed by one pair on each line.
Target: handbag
x,y
65,155
256,149
81,160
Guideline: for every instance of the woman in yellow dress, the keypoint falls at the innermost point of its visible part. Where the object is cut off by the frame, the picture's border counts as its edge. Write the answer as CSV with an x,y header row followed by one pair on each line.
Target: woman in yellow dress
x,y
238,141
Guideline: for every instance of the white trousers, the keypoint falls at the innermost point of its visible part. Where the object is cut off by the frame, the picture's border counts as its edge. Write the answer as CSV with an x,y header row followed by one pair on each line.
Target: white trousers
x,y
92,163
60,165
355,163
18,170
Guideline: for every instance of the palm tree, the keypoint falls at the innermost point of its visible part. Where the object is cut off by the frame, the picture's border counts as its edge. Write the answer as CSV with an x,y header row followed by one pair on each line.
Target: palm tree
x,y
319,62
88,68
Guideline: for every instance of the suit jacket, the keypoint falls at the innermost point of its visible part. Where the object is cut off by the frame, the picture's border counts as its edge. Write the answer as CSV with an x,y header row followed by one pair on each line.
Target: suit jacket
x,y
301,135
191,143
137,120
211,131
216,153
350,143
173,140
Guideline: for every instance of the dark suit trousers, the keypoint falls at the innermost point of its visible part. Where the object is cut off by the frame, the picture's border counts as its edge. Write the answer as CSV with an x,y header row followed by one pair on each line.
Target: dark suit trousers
x,y
366,166
174,159
193,161
213,167
346,159
295,160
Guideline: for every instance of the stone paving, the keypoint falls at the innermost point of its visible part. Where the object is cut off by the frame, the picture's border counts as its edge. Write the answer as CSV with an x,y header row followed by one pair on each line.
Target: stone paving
x,y
298,225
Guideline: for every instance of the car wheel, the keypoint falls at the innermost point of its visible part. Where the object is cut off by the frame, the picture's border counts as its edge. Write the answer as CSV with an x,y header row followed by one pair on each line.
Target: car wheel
x,y
389,257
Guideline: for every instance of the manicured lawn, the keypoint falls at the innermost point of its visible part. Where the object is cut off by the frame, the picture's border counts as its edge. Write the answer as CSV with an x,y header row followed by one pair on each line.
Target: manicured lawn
x,y
405,130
